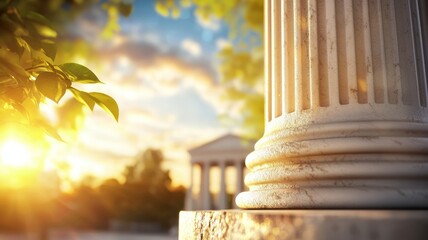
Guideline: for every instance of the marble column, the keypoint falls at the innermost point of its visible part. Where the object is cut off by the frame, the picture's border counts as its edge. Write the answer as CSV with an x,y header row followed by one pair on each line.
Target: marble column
x,y
205,186
222,196
239,179
346,107
239,176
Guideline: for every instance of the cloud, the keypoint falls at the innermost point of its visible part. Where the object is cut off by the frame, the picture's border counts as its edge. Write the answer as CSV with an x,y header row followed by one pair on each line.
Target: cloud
x,y
161,71
223,43
191,47
166,99
210,23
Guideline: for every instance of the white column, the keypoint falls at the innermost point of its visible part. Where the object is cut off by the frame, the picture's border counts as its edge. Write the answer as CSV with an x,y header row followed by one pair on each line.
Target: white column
x,y
346,107
205,186
222,197
239,176
189,196
239,179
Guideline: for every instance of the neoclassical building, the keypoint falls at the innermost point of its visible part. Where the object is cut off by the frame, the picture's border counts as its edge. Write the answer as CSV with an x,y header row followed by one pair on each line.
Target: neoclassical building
x,y
228,151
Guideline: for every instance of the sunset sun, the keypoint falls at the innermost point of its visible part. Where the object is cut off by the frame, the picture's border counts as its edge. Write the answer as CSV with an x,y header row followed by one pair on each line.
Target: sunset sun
x,y
14,153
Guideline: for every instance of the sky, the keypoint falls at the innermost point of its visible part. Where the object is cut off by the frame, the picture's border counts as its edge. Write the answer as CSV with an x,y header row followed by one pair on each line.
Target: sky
x,y
163,74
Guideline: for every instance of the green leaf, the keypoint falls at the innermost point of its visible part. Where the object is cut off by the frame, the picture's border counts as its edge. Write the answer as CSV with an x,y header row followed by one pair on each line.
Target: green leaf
x,y
50,48
83,97
9,64
51,86
49,130
107,103
21,109
125,9
81,73
44,31
3,5
36,17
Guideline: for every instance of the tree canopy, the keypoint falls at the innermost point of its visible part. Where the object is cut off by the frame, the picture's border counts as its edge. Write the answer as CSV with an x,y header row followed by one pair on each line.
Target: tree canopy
x,y
29,75
241,63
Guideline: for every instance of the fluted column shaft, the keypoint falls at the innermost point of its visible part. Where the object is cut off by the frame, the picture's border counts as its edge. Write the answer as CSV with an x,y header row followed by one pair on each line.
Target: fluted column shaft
x,y
239,179
346,106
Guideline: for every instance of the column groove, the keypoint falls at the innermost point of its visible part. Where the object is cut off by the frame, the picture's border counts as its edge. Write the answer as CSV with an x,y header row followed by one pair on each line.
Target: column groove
x,y
322,53
419,52
313,54
289,29
268,61
298,86
342,52
304,61
276,60
378,51
332,66
392,65
407,59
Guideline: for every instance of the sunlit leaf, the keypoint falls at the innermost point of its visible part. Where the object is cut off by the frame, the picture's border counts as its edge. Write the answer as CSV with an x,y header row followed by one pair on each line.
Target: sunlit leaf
x,y
45,31
83,97
51,86
16,94
9,62
81,73
36,17
71,114
49,130
12,26
112,26
23,45
107,103
21,109
11,42
49,47
162,9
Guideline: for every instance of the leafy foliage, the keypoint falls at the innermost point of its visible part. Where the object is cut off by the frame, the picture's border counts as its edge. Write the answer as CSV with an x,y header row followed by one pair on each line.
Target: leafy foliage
x,y
28,72
241,65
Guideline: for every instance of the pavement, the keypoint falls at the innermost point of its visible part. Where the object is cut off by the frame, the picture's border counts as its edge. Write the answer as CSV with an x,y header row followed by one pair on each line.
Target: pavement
x,y
74,235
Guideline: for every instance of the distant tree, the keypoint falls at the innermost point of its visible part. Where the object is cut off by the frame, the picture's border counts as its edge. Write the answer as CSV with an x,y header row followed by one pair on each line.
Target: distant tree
x,y
147,194
241,63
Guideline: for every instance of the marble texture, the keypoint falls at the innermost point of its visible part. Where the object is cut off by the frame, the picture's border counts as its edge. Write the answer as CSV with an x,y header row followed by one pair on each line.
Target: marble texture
x,y
304,225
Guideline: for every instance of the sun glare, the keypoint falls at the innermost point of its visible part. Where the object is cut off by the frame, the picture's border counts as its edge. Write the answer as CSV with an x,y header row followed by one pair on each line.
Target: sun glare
x,y
15,154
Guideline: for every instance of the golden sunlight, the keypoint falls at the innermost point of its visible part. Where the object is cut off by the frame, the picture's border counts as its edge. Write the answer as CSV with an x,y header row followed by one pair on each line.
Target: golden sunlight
x,y
15,154
22,154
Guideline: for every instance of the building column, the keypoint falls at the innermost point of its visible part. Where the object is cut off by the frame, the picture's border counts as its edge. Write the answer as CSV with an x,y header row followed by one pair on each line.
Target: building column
x,y
239,176
346,107
222,197
205,186
239,179
189,195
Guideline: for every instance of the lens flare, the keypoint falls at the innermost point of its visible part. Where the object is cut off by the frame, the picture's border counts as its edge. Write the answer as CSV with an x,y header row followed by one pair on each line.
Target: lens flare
x,y
15,154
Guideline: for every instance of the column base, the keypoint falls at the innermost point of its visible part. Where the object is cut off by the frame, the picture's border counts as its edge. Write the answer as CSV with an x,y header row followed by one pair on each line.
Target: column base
x,y
334,198
343,165
304,224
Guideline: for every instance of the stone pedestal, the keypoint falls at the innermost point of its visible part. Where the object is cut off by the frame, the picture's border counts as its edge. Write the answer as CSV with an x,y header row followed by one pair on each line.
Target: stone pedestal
x,y
304,225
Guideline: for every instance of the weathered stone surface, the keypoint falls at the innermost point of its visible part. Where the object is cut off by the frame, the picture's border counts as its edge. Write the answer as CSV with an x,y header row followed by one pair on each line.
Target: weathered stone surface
x,y
304,224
